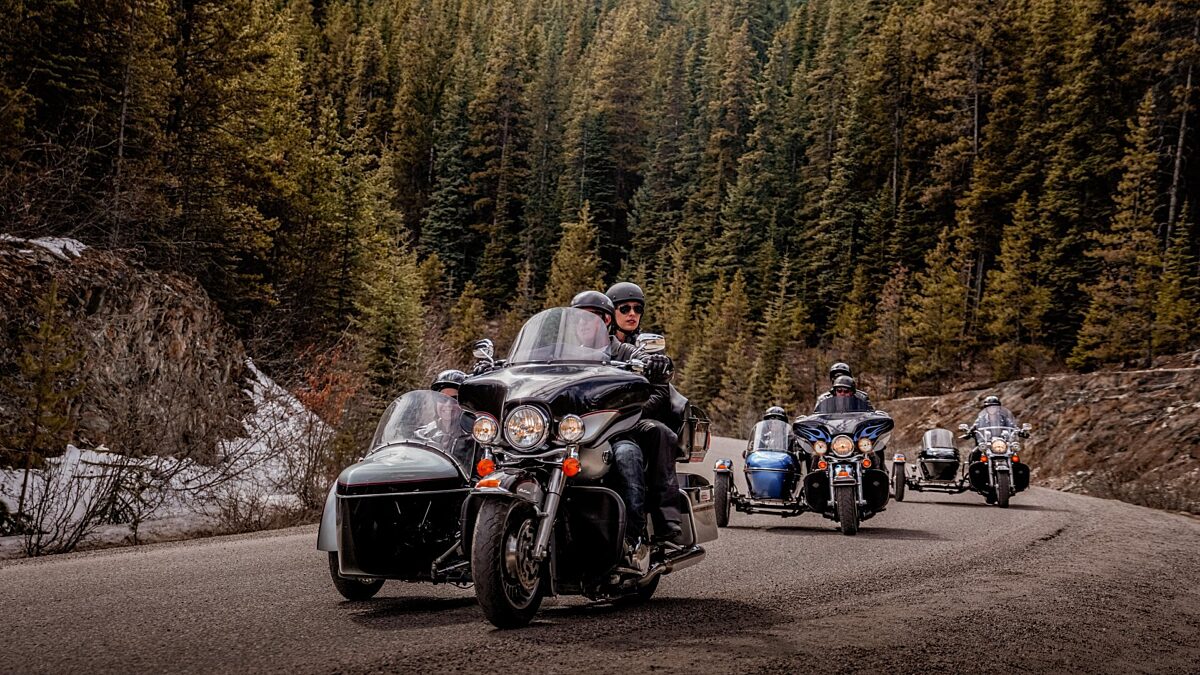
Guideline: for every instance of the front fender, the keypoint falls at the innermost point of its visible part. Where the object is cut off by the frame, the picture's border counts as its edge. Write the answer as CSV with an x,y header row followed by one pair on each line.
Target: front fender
x,y
327,535
511,483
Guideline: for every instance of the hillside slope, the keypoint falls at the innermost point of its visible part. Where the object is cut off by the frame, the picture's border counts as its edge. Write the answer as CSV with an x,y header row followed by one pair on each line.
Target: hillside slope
x,y
1131,435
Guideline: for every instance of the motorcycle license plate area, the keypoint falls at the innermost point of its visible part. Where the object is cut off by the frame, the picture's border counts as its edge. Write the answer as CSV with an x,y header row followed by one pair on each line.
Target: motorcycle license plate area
x,y
845,474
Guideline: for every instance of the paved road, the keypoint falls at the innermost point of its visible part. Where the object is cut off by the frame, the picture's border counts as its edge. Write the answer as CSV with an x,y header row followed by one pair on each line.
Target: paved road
x,y
1058,582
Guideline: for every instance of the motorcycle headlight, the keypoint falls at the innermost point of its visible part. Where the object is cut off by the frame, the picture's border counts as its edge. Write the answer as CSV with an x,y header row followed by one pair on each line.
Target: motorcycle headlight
x,y
570,428
820,447
999,445
843,446
865,444
525,427
486,429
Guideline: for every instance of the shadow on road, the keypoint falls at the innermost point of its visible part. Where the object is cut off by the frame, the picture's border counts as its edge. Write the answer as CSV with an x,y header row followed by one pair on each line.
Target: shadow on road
x,y
662,621
983,505
399,613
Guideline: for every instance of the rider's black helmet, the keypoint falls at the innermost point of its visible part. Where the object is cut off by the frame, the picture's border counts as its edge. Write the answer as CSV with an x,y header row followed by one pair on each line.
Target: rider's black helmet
x,y
625,291
775,413
844,381
448,379
837,369
594,300
990,401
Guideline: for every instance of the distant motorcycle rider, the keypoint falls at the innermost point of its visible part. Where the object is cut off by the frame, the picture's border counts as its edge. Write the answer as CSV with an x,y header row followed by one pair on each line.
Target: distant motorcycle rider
x,y
649,445
837,370
991,414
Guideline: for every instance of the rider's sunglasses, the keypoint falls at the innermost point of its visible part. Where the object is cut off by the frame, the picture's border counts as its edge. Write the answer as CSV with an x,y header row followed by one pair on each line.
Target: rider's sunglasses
x,y
631,307
841,391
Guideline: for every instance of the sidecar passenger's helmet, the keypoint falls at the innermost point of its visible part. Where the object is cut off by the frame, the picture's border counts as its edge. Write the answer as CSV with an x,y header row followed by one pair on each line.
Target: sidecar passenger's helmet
x,y
990,401
448,379
838,369
626,291
595,301
775,413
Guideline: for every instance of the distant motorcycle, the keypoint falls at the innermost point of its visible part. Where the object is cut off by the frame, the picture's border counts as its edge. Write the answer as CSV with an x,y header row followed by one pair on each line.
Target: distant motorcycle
x,y
775,467
845,437
538,522
395,513
996,470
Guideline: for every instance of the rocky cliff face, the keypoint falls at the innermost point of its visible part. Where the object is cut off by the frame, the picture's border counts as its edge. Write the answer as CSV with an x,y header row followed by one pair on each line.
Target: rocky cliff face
x,y
1130,435
159,371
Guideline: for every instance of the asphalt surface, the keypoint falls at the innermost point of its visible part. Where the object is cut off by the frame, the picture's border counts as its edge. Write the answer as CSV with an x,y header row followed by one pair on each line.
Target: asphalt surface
x,y
937,583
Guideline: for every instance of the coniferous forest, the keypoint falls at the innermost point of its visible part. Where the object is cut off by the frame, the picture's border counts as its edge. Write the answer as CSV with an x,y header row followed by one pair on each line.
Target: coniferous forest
x,y
938,191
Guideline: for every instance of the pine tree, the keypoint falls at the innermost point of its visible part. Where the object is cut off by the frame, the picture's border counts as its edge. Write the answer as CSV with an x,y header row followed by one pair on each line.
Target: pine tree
x,y
445,228
1177,306
1120,315
1016,301
935,322
576,265
467,318
886,346
390,322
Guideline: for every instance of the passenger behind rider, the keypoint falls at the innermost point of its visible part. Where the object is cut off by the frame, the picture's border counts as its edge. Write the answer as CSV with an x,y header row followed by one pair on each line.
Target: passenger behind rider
x,y
654,433
628,455
844,388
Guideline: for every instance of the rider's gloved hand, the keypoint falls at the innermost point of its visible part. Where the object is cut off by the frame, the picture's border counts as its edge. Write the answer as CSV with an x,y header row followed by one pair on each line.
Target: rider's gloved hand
x,y
659,367
481,367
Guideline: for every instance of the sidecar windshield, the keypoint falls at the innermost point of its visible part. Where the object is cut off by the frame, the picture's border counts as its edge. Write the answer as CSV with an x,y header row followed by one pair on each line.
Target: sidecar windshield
x,y
770,435
423,417
561,334
835,405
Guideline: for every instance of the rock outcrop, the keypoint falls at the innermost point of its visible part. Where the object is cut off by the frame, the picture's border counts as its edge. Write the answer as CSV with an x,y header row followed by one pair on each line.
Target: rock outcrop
x,y
160,371
1128,434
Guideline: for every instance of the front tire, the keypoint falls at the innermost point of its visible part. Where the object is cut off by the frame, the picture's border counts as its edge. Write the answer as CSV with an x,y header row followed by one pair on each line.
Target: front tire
x,y
721,497
847,508
508,582
898,481
351,588
1003,489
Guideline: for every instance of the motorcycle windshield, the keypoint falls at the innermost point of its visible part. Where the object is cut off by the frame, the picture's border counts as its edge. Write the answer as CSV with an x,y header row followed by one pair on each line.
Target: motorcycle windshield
x,y
770,435
423,417
561,334
995,422
837,405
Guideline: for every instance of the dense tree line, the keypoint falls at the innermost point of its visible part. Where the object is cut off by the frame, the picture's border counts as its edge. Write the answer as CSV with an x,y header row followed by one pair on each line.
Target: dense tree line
x,y
936,190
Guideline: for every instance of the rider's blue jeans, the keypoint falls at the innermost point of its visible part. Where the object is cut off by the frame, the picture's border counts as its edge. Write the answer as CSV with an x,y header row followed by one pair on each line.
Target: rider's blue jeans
x,y
629,481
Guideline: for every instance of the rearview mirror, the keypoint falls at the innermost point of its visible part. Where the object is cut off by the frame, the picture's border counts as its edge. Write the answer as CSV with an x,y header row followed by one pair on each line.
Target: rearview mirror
x,y
964,428
651,343
484,350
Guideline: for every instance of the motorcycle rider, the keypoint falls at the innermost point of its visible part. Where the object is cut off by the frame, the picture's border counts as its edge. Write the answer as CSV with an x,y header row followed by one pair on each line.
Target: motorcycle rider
x,y
837,370
647,442
448,382
654,432
991,414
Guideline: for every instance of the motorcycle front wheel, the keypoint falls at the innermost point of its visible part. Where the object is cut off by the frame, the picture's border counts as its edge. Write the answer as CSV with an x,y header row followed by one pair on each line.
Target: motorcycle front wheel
x,y
508,581
1003,488
846,498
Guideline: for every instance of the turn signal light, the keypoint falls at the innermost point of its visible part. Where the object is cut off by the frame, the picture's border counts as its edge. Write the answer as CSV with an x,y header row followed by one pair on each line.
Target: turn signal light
x,y
485,466
1016,459
570,466
983,458
822,465
866,463
488,483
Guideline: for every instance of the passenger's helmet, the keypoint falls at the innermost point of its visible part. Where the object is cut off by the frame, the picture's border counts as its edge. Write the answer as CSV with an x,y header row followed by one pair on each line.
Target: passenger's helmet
x,y
844,381
837,369
990,401
448,379
625,291
594,300
775,413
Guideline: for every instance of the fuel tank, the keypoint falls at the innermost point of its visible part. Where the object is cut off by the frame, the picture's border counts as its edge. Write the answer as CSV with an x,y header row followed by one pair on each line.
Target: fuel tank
x,y
771,475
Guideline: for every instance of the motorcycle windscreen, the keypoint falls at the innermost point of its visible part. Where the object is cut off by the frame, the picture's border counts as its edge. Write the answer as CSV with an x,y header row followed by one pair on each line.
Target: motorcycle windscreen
x,y
838,405
430,419
561,334
772,435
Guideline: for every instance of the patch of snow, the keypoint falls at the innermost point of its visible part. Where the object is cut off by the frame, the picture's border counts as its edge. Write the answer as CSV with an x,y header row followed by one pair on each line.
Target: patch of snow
x,y
61,247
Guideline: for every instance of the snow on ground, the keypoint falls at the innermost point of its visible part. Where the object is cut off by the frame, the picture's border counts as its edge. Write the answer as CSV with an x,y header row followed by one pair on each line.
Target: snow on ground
x,y
60,247
170,498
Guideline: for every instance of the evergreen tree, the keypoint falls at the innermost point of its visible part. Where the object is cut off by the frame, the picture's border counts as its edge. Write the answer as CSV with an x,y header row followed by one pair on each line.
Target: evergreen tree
x,y
1016,301
1120,315
1177,306
466,320
576,265
935,322
390,324
887,348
